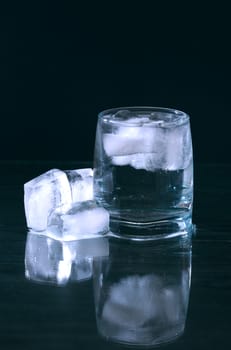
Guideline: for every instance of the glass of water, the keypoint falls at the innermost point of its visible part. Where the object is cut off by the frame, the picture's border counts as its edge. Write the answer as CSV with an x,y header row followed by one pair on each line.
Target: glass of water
x,y
143,171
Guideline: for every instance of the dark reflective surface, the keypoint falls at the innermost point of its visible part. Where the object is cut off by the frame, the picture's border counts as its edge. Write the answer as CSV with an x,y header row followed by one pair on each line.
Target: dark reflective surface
x,y
46,316
142,291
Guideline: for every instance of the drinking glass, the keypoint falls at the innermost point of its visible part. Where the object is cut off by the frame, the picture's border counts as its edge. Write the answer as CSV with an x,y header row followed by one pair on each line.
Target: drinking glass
x,y
143,171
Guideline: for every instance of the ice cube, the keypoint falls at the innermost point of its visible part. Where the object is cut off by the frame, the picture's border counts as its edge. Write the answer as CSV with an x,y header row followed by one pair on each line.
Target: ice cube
x,y
81,182
84,220
51,261
145,161
150,148
53,189
122,160
117,145
178,153
44,193
130,140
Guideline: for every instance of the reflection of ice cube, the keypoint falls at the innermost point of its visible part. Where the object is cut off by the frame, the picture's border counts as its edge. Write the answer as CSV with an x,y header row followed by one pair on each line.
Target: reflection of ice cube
x,y
144,310
44,261
53,189
51,261
173,304
150,148
133,301
92,247
44,193
81,182
81,269
83,220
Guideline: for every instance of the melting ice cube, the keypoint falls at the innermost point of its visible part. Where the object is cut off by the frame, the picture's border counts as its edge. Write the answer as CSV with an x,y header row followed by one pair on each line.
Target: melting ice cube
x,y
150,148
129,140
53,189
84,220
81,182
44,193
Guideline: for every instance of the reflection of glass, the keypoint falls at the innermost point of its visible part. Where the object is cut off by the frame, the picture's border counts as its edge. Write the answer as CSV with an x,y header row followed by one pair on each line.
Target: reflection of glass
x,y
142,291
56,262
143,170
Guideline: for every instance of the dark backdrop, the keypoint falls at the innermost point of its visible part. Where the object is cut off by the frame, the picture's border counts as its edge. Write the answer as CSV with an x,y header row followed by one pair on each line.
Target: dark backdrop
x,y
62,63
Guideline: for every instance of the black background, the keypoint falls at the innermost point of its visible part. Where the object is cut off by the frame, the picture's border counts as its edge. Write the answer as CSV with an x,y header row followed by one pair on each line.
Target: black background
x,y
61,63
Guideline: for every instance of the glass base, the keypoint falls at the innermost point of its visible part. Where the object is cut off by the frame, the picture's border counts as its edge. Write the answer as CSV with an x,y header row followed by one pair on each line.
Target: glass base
x,y
161,229
143,339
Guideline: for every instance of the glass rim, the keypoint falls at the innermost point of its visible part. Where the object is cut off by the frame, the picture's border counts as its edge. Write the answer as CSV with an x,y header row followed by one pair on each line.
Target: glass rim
x,y
181,117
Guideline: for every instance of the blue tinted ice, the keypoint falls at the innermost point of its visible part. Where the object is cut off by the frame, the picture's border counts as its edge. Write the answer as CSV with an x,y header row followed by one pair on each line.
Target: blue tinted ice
x,y
83,220
51,261
148,146
53,189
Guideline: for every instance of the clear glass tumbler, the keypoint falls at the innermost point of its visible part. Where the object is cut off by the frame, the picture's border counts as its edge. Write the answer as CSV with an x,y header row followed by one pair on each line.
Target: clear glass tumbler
x,y
143,170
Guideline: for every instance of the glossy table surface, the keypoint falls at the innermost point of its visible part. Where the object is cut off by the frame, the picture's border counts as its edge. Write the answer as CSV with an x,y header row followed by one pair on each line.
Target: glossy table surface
x,y
37,316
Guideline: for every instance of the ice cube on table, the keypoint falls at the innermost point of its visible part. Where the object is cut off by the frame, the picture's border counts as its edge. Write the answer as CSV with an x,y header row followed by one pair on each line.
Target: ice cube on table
x,y
81,182
53,189
84,220
51,261
44,193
